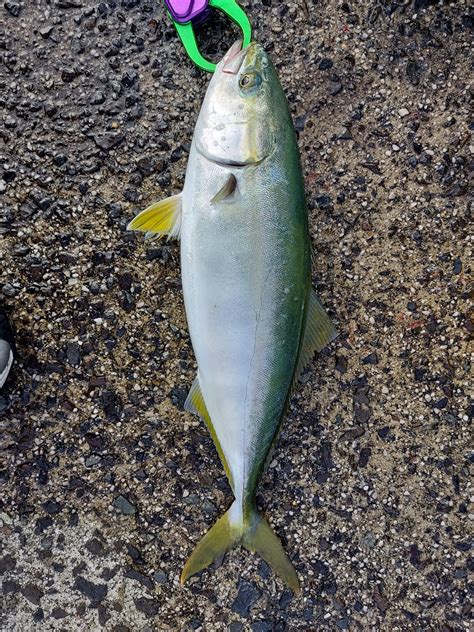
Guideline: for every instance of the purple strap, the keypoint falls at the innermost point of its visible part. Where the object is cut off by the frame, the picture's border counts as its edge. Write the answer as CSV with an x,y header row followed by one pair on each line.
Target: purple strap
x,y
184,11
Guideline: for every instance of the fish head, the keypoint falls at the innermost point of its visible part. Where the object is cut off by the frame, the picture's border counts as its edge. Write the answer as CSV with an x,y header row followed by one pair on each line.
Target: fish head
x,y
239,119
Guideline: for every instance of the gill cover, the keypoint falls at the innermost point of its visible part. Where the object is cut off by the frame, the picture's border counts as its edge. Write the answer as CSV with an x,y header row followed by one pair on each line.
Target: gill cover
x,y
233,128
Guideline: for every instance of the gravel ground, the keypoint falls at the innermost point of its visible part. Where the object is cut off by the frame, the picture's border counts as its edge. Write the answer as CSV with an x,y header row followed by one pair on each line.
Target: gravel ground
x,y
108,482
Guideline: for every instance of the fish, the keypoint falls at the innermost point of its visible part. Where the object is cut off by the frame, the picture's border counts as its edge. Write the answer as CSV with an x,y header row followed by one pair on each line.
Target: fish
x,y
253,317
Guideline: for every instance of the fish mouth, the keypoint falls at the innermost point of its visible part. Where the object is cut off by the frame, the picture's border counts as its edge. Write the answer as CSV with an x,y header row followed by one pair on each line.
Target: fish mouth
x,y
232,62
228,163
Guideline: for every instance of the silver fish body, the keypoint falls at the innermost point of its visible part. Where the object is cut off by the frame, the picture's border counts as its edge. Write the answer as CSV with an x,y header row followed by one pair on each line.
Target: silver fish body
x,y
253,318
246,275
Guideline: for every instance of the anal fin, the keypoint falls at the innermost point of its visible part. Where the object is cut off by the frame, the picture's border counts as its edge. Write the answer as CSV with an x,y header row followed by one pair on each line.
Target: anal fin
x,y
195,404
162,218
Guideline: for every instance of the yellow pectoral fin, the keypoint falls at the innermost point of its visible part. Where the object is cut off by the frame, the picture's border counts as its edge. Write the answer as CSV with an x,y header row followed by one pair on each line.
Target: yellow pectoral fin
x,y
162,218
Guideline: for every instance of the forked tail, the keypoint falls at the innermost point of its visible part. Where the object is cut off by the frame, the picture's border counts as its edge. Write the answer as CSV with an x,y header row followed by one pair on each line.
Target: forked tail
x,y
254,533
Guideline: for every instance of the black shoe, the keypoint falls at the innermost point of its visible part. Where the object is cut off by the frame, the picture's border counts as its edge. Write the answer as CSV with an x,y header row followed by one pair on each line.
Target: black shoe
x,y
6,347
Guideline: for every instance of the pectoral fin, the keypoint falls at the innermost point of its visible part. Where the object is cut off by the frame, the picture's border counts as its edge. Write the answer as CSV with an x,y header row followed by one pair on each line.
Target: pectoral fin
x,y
228,190
319,332
195,404
162,218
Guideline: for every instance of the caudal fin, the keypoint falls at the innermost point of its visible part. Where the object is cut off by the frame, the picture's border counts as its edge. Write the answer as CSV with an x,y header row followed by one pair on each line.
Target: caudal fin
x,y
255,534
260,538
218,540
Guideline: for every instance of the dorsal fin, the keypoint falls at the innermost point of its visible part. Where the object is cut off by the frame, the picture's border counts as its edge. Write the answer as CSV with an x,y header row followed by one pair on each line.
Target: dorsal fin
x,y
319,332
195,404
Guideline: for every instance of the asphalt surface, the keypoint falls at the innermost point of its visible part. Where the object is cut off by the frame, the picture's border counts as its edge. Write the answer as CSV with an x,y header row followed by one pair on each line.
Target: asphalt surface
x,y
108,483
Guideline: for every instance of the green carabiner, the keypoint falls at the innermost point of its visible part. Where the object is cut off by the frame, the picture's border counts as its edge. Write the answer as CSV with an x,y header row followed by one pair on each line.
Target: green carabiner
x,y
188,37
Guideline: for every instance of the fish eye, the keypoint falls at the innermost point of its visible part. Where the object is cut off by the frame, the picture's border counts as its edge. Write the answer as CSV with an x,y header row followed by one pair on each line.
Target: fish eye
x,y
250,80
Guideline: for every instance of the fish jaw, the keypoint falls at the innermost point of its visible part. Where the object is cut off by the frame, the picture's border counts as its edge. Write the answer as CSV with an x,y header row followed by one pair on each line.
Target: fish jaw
x,y
234,59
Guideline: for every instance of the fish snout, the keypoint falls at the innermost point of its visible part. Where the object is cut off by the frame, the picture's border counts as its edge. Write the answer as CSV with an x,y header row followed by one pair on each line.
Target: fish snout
x,y
234,59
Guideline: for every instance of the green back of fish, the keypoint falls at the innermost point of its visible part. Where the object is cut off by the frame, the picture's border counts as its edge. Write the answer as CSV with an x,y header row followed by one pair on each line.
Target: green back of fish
x,y
278,184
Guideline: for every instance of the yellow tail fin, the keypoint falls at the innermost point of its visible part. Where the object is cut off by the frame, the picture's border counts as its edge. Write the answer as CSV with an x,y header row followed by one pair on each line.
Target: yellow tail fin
x,y
218,540
260,538
255,534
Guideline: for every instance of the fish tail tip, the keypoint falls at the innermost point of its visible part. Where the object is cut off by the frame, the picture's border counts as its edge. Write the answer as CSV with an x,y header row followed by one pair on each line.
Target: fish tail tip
x,y
217,541
261,539
132,224
296,588
187,571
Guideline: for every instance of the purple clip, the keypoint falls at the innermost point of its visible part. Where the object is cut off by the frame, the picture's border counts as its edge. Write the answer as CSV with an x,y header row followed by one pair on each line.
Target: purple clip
x,y
183,11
